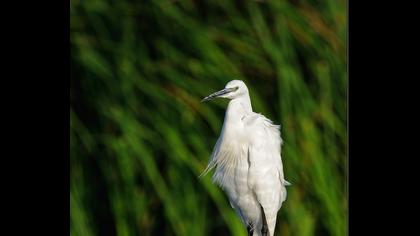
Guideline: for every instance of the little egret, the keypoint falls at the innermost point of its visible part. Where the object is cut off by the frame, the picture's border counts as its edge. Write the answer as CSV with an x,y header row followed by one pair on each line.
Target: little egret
x,y
248,162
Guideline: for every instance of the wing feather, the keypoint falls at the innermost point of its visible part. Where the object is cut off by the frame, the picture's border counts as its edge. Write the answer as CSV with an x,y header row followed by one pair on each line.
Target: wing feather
x,y
266,168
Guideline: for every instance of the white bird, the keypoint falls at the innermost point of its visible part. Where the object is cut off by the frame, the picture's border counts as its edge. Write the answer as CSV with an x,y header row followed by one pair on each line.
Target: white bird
x,y
248,161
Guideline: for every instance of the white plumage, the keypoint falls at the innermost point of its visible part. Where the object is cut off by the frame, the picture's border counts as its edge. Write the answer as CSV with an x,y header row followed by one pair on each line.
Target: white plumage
x,y
248,162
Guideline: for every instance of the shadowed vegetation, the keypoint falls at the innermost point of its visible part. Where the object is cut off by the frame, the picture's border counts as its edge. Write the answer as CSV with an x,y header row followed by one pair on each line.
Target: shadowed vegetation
x,y
139,136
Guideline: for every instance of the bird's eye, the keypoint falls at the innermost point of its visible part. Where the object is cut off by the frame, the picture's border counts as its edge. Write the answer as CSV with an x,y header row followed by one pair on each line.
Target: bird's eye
x,y
235,88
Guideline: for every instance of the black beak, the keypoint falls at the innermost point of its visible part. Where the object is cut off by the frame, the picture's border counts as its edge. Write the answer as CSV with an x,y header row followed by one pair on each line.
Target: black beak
x,y
218,94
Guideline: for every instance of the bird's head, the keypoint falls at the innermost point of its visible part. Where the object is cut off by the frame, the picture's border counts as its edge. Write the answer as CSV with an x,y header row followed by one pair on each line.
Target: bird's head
x,y
232,90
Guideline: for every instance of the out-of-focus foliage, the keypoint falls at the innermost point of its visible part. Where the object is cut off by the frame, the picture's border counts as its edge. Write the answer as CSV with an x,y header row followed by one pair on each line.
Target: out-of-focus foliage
x,y
140,137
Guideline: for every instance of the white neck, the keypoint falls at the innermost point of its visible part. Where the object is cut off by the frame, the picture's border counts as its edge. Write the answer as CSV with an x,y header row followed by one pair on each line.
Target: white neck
x,y
237,108
232,127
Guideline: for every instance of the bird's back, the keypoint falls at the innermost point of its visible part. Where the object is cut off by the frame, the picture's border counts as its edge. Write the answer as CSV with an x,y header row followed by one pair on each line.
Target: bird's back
x,y
249,169
266,178
265,145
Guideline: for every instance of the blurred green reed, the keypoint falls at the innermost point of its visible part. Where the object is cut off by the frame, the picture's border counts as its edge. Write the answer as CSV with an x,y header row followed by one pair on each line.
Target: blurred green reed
x,y
139,136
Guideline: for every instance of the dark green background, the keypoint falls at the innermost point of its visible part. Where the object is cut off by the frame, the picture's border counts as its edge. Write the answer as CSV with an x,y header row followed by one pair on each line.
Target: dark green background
x,y
140,137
